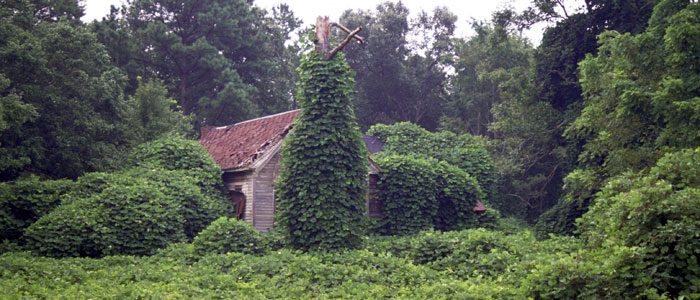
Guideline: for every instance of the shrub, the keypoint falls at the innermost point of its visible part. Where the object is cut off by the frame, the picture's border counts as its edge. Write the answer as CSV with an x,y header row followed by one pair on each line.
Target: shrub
x,y
229,235
616,273
407,191
183,253
198,208
132,217
463,151
457,193
469,264
176,153
322,185
488,219
172,193
187,165
275,239
658,212
419,194
24,201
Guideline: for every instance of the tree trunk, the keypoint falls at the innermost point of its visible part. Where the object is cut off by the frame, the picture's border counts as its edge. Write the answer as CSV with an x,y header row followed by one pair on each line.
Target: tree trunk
x,y
323,36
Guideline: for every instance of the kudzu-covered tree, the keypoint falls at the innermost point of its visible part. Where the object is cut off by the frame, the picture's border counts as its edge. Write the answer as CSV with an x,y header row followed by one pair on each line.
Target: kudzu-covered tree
x,y
322,184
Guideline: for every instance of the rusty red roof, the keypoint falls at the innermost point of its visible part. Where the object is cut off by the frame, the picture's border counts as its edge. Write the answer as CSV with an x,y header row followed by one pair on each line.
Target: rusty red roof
x,y
239,145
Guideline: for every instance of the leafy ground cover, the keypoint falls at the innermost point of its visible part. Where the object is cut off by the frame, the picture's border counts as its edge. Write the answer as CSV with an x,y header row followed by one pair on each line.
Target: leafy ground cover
x,y
473,264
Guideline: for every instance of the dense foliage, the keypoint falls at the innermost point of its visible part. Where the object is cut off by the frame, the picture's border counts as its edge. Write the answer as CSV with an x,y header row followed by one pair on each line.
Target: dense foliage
x,y
223,61
641,95
322,186
170,195
475,264
601,126
430,265
419,194
132,216
407,193
179,154
402,74
25,201
456,193
47,67
658,215
228,235
463,151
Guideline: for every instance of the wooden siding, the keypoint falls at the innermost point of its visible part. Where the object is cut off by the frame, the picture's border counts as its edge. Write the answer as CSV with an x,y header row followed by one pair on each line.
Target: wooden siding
x,y
259,190
374,206
264,194
244,180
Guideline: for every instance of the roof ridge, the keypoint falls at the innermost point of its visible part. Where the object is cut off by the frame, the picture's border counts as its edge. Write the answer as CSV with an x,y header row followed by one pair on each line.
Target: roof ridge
x,y
258,119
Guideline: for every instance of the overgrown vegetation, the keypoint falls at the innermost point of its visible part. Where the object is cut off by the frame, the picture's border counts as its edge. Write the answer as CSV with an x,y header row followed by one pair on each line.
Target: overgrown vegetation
x,y
228,235
464,151
171,193
419,194
641,97
592,135
475,263
322,184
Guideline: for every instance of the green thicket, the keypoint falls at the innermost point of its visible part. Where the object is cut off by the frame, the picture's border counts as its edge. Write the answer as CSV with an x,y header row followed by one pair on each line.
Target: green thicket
x,y
656,214
456,193
429,265
464,151
132,216
171,193
25,201
321,189
407,193
228,235
419,194
179,154
641,95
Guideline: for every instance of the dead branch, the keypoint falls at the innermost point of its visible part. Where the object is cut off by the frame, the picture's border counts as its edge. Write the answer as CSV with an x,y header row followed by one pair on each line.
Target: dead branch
x,y
344,43
359,39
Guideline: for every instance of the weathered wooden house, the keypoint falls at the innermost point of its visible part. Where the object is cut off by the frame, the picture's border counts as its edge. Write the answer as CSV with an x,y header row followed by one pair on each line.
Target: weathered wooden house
x,y
249,152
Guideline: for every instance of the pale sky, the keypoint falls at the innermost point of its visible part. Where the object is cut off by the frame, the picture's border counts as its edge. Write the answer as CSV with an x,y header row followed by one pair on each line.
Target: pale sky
x,y
308,10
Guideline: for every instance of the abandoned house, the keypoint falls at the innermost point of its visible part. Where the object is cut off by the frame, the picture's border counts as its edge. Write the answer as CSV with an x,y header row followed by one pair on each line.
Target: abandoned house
x,y
249,152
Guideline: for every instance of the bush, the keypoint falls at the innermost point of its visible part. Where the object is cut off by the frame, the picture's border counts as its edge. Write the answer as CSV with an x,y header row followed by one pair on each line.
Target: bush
x,y
132,217
457,193
463,151
659,213
173,192
229,235
407,191
187,165
176,153
197,207
419,194
616,273
476,253
469,264
24,201
580,186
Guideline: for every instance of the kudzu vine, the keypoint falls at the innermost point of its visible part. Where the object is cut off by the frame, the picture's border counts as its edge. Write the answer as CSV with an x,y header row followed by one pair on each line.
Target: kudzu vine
x,y
321,189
